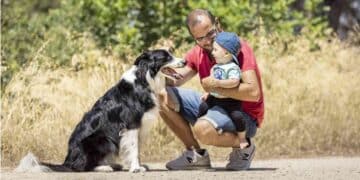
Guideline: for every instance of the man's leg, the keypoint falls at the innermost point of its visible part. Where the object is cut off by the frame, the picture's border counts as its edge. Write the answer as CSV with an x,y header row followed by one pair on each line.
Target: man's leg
x,y
206,133
178,108
175,122
216,128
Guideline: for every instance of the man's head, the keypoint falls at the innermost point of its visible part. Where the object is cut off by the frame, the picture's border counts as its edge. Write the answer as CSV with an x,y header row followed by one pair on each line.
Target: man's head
x,y
203,27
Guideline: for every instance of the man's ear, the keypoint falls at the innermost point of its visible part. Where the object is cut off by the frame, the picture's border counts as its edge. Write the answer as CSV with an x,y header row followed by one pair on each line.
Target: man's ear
x,y
218,24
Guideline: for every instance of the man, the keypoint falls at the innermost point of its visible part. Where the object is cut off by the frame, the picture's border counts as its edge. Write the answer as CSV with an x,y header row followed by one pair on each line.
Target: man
x,y
180,106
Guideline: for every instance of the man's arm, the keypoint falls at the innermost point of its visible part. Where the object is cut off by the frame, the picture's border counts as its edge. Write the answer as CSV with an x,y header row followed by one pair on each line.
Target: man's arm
x,y
248,90
186,72
228,83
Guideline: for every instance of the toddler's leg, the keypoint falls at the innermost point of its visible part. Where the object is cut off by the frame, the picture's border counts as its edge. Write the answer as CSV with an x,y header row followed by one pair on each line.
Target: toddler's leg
x,y
203,108
240,125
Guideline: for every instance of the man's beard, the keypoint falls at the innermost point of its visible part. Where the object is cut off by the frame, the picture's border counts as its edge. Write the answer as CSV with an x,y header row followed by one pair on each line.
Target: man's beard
x,y
208,49
208,52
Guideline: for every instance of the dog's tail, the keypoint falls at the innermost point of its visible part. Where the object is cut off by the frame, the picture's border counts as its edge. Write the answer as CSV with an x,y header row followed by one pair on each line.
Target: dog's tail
x,y
31,164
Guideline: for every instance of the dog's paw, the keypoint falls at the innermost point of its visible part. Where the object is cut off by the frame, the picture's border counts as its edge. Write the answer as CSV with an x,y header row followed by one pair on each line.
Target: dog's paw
x,y
103,169
138,169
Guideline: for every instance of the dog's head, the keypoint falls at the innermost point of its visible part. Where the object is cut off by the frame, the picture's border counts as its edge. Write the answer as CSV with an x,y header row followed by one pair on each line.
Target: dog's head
x,y
156,61
151,65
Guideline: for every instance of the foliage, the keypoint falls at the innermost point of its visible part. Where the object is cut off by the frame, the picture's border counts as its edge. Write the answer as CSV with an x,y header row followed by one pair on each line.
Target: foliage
x,y
36,30
141,22
136,23
48,31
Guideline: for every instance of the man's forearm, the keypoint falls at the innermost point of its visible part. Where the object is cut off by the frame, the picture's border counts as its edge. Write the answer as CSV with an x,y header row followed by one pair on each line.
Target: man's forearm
x,y
248,90
186,72
228,83
244,92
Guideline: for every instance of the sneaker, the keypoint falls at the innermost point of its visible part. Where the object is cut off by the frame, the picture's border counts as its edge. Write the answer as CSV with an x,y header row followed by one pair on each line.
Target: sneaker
x,y
240,159
190,160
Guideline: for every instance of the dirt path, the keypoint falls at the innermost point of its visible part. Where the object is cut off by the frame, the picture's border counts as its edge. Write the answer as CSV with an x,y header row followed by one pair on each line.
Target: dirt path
x,y
318,168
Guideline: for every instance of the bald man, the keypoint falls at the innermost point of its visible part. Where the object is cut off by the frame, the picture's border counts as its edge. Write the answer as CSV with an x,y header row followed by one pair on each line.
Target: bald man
x,y
179,108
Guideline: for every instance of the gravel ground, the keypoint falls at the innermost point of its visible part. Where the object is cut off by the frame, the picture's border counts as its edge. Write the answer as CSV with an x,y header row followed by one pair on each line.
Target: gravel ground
x,y
346,168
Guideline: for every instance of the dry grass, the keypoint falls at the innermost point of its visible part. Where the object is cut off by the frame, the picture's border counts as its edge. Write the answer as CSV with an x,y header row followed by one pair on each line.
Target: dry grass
x,y
312,100
312,104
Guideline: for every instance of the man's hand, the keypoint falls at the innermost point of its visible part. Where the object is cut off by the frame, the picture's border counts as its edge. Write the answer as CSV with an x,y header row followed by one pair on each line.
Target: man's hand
x,y
209,83
186,73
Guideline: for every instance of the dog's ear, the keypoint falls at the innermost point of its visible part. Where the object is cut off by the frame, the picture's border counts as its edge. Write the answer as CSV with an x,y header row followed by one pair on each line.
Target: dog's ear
x,y
144,55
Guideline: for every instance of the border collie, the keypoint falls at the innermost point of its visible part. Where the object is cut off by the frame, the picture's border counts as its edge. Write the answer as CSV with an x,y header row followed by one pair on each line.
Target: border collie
x,y
115,121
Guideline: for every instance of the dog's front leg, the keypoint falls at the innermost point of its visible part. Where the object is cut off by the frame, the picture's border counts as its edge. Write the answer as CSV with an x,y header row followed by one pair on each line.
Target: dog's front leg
x,y
130,143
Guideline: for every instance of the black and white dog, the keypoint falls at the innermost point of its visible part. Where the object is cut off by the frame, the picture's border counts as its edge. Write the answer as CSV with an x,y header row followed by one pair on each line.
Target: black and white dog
x,y
114,122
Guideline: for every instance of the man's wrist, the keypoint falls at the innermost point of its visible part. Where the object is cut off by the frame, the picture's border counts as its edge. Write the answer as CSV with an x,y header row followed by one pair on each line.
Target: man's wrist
x,y
214,83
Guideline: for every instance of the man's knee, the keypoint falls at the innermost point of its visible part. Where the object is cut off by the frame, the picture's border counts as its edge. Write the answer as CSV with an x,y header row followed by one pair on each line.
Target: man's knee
x,y
205,132
166,101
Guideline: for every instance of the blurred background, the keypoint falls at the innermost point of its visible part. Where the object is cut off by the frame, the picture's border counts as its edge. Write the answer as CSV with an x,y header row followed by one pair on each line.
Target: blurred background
x,y
59,56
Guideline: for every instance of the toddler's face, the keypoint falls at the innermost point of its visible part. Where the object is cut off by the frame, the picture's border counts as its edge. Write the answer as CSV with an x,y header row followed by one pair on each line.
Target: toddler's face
x,y
220,54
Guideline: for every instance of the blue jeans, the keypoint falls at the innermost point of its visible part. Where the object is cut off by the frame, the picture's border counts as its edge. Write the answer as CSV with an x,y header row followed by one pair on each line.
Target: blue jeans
x,y
188,102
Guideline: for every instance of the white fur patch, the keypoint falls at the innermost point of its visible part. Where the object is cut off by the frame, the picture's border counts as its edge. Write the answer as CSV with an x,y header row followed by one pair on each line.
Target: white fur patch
x,y
31,164
157,83
150,80
129,146
147,121
129,75
103,168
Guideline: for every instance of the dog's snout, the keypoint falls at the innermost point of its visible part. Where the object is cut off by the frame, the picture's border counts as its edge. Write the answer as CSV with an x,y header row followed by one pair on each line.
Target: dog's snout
x,y
177,62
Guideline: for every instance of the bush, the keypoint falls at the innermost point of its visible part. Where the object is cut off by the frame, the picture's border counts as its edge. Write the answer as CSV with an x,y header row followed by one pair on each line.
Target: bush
x,y
36,30
47,31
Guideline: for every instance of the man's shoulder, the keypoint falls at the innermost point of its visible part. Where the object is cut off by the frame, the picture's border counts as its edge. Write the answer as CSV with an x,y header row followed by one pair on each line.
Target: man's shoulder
x,y
195,50
245,46
246,57
193,54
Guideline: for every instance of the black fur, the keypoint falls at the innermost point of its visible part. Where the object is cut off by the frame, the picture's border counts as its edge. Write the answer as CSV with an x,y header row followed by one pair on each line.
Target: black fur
x,y
121,108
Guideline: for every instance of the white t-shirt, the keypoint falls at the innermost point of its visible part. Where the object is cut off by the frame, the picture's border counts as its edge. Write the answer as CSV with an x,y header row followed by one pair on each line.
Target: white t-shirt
x,y
225,71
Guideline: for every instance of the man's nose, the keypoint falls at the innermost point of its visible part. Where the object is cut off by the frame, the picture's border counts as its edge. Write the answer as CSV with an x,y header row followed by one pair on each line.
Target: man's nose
x,y
209,41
